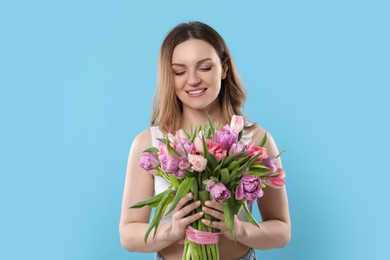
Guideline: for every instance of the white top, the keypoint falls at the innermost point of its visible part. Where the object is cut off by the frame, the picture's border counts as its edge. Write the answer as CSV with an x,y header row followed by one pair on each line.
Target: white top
x,y
160,184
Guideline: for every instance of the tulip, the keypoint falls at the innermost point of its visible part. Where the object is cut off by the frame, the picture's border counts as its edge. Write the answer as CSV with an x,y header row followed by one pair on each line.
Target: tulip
x,y
249,188
149,161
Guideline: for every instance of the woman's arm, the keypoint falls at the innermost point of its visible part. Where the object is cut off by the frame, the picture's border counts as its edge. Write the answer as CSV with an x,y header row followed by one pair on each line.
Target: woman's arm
x,y
275,229
139,186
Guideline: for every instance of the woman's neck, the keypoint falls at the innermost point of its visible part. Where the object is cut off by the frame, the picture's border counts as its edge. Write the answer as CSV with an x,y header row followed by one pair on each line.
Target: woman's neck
x,y
194,118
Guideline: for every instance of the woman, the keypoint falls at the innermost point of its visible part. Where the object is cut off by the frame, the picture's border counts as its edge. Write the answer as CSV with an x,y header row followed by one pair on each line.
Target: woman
x,y
197,77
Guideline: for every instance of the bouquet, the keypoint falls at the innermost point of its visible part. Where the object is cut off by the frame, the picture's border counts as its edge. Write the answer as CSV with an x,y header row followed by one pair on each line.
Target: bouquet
x,y
213,164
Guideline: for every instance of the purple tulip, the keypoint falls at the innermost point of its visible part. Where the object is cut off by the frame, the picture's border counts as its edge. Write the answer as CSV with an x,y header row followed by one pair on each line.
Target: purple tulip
x,y
184,163
218,191
271,163
180,174
169,163
149,161
225,137
249,188
237,147
184,144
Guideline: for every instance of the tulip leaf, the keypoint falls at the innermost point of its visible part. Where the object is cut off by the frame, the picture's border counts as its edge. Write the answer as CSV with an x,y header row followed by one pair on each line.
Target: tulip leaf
x,y
158,214
231,157
264,140
205,150
212,129
212,160
183,189
280,153
225,178
249,215
239,136
228,206
152,150
153,202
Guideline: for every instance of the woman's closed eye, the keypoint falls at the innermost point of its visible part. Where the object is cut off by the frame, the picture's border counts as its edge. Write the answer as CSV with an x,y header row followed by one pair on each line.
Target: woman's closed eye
x,y
179,73
208,68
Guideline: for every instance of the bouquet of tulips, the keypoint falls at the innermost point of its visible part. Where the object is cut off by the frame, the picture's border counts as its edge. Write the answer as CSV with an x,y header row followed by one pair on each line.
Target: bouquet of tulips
x,y
213,164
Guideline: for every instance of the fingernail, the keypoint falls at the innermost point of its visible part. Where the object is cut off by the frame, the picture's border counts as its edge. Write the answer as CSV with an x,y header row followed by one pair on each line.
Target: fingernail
x,y
190,195
201,214
207,203
197,203
204,208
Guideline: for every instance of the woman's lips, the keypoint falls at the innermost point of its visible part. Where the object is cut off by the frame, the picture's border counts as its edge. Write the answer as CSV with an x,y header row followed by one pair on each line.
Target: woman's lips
x,y
196,92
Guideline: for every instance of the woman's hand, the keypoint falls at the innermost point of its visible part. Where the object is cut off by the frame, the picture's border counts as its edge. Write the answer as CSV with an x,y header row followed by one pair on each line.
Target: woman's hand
x,y
215,209
180,220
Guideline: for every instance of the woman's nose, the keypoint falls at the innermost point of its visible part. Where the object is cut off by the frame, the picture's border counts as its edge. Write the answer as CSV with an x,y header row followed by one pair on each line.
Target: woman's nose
x,y
194,80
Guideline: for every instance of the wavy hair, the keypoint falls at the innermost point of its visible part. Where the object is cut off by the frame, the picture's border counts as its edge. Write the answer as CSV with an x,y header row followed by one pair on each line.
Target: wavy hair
x,y
167,107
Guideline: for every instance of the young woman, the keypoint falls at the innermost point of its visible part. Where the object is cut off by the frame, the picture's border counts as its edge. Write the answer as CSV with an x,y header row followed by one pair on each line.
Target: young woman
x,y
197,77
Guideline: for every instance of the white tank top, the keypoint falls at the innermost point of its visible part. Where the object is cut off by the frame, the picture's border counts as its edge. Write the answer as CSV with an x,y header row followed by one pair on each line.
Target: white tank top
x,y
160,184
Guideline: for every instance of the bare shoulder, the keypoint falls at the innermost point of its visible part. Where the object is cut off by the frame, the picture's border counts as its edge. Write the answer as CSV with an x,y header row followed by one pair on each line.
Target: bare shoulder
x,y
142,141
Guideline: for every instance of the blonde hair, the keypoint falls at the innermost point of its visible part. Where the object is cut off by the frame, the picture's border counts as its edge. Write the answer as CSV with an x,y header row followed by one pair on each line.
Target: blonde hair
x,y
167,107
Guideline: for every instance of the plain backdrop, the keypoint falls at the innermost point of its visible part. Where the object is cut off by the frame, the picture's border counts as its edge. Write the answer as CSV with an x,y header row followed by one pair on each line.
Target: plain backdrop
x,y
77,81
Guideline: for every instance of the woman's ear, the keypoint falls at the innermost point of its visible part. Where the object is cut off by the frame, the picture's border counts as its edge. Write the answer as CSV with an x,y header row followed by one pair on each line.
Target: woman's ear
x,y
225,68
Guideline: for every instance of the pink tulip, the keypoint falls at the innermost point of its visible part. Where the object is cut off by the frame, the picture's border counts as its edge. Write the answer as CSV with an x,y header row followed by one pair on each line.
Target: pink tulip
x,y
237,123
198,162
249,188
215,149
276,181
198,142
257,150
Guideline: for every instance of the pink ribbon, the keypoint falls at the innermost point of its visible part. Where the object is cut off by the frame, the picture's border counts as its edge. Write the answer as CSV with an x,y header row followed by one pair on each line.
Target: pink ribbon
x,y
201,237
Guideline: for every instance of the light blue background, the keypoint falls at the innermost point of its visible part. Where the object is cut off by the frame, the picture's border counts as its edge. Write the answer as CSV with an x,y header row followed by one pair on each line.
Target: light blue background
x,y
77,81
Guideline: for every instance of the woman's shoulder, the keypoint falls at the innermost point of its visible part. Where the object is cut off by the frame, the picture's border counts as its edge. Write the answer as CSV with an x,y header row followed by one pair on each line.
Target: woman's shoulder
x,y
143,140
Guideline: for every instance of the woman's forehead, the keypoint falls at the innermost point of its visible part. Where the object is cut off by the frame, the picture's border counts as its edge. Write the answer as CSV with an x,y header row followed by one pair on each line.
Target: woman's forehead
x,y
193,51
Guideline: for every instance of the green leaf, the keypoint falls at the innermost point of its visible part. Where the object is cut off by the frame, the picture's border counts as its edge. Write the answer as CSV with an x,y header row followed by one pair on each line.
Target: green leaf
x,y
153,202
152,150
212,161
280,153
249,216
206,151
228,206
225,178
239,135
158,214
183,189
264,140
212,129
231,157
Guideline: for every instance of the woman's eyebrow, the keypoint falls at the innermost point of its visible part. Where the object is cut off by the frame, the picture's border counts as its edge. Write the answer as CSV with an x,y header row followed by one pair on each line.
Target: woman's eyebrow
x,y
182,65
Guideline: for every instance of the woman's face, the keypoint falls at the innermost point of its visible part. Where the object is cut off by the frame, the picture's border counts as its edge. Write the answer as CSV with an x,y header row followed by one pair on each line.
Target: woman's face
x,y
197,73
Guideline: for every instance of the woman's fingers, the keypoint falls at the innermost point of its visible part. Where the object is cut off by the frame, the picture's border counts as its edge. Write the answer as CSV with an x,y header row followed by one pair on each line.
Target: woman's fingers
x,y
187,209
214,204
183,201
188,220
214,213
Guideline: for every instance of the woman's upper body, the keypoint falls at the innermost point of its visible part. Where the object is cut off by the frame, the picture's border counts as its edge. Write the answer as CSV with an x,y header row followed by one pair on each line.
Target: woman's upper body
x,y
197,77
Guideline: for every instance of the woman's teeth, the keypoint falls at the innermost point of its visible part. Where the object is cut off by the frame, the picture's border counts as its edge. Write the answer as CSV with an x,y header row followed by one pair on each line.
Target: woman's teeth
x,y
196,91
